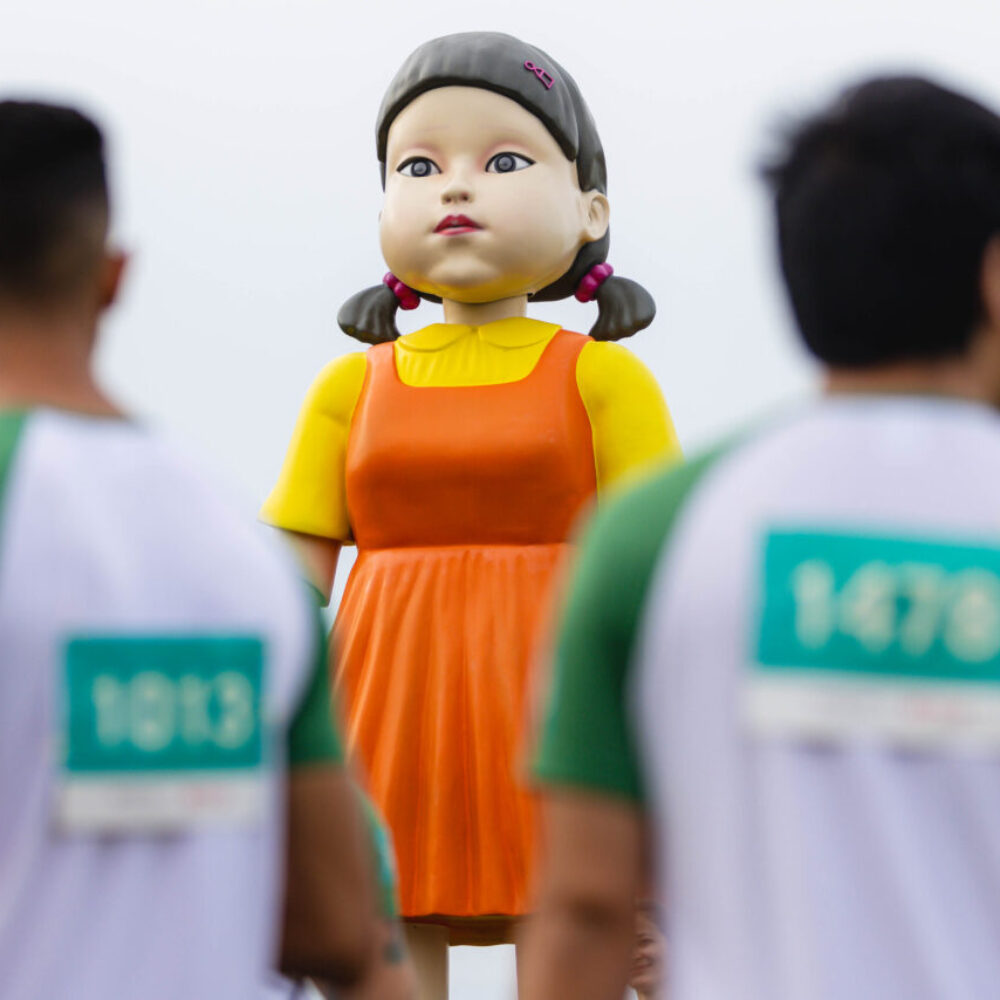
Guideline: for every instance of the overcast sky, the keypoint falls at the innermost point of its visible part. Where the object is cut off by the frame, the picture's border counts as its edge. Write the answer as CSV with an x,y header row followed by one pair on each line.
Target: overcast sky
x,y
246,185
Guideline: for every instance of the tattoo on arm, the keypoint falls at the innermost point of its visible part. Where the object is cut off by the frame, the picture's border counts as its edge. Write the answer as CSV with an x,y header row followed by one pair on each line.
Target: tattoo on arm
x,y
393,951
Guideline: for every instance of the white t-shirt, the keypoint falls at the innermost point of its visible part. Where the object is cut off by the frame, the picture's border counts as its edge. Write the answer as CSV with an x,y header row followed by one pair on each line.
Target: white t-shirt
x,y
790,651
154,649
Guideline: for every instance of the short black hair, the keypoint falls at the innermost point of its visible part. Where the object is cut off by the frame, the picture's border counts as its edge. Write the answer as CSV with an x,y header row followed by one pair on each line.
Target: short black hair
x,y
53,201
885,203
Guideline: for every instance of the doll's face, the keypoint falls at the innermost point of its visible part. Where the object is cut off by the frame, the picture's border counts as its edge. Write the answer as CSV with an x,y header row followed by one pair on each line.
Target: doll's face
x,y
481,204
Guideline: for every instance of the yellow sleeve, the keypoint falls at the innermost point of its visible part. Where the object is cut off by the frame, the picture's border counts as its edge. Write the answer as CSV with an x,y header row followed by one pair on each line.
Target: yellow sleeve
x,y
628,415
310,495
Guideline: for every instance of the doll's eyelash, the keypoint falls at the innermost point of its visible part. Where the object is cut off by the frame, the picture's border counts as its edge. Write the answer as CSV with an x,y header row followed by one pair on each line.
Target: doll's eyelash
x,y
517,161
406,168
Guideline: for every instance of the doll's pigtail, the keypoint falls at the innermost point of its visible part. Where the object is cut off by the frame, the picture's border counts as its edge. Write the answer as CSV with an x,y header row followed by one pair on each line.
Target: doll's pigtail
x,y
370,316
624,306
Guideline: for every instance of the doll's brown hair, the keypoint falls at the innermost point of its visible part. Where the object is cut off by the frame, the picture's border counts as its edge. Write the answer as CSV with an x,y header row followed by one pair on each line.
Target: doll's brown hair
x,y
529,76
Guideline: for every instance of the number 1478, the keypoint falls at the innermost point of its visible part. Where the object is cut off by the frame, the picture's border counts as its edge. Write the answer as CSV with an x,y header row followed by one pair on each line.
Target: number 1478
x,y
910,605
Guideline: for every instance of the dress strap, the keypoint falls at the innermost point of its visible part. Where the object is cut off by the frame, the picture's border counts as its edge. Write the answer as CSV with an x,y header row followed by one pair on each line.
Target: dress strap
x,y
381,365
560,354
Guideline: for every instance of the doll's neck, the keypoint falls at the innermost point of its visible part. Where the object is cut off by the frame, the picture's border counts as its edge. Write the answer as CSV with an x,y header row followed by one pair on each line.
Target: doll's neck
x,y
480,313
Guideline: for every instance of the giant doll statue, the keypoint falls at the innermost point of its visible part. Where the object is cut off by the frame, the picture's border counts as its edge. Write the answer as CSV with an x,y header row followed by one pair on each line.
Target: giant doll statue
x,y
456,458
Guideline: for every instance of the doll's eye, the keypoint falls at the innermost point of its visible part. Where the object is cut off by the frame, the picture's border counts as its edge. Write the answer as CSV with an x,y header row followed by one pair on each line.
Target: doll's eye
x,y
418,166
507,163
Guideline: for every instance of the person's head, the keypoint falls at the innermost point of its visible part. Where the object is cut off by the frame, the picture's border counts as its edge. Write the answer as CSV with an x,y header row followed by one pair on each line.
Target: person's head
x,y
53,212
495,187
888,224
646,975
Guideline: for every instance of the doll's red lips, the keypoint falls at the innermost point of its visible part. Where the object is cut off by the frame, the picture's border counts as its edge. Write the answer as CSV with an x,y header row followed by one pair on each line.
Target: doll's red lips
x,y
455,225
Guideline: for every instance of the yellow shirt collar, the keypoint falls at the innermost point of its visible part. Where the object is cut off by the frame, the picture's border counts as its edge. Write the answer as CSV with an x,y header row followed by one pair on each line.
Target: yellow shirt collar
x,y
518,331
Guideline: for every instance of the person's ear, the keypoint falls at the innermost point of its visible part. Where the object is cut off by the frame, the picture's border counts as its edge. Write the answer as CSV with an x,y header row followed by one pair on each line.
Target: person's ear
x,y
989,283
110,278
598,216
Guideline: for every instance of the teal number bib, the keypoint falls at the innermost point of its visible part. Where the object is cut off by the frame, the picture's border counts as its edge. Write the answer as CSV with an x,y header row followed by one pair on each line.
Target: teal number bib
x,y
160,732
877,637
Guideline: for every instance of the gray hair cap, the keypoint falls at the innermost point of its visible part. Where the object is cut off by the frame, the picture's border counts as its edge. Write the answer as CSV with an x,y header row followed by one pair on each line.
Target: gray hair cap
x,y
507,66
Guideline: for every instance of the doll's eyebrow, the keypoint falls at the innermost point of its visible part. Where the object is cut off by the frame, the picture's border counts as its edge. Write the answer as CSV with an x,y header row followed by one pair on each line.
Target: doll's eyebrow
x,y
518,146
416,156
411,157
418,149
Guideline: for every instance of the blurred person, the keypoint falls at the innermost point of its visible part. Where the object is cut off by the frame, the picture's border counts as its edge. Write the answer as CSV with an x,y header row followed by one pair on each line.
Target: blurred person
x,y
392,973
786,653
164,704
646,974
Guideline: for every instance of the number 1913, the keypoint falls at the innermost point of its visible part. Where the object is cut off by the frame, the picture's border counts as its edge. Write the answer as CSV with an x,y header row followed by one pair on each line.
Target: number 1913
x,y
150,710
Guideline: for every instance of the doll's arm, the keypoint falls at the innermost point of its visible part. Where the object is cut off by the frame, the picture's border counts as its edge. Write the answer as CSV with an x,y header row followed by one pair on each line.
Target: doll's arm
x,y
310,495
309,501
628,415
319,558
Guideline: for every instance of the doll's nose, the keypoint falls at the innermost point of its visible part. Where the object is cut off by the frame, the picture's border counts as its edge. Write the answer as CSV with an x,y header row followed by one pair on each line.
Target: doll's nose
x,y
458,190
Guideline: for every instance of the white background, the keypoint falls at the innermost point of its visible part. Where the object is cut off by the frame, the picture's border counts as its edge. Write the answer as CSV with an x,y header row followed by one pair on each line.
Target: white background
x,y
241,141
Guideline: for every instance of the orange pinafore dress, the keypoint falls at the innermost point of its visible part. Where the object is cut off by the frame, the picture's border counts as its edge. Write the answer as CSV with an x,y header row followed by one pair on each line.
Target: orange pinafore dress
x,y
461,501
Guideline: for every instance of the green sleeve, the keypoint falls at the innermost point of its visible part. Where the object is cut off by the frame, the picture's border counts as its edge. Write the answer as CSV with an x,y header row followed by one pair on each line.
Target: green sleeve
x,y
11,425
385,859
587,738
313,736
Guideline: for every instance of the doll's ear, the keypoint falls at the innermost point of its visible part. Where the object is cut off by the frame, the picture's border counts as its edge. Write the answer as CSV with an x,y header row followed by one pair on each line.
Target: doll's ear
x,y
598,216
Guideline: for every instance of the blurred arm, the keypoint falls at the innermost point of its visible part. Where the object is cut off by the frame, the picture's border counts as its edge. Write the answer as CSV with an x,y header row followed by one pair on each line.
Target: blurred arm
x,y
330,908
329,916
391,975
588,757
579,944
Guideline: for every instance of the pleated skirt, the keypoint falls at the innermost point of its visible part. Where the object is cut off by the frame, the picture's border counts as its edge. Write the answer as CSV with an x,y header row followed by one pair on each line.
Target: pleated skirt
x,y
435,651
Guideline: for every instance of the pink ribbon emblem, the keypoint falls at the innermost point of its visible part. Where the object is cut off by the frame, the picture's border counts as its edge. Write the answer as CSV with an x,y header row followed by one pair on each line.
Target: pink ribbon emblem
x,y
540,73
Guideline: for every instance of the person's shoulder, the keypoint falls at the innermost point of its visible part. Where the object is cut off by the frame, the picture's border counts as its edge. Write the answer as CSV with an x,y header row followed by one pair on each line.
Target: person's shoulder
x,y
166,481
68,444
639,514
198,509
159,511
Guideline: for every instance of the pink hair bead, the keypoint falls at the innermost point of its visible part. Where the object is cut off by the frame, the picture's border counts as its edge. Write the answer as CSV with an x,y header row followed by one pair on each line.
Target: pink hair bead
x,y
408,298
593,280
